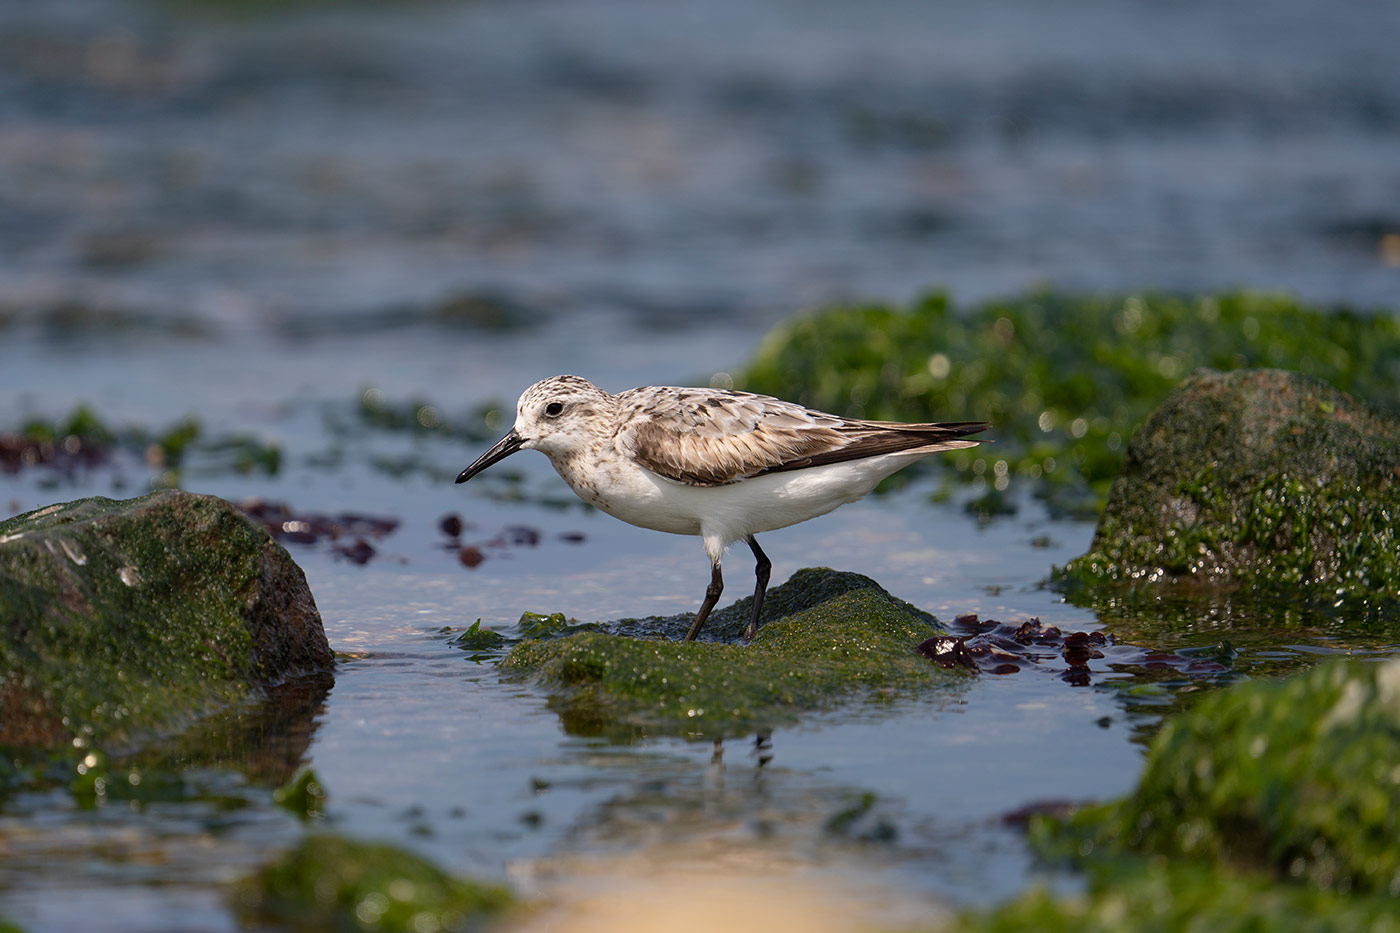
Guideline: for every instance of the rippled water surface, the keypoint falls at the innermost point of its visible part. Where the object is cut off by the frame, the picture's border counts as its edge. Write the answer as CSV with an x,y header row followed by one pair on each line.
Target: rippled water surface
x,y
252,216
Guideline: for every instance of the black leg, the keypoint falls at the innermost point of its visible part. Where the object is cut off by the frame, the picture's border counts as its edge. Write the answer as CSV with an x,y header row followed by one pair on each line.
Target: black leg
x,y
762,568
711,597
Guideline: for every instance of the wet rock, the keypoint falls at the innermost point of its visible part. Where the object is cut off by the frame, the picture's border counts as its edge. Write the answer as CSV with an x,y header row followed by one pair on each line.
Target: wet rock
x,y
521,536
333,883
1258,478
125,618
947,651
993,647
358,553
539,625
828,638
476,639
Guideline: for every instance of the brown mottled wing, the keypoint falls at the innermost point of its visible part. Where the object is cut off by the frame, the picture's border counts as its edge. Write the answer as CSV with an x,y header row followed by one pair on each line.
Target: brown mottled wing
x,y
709,437
873,438
706,437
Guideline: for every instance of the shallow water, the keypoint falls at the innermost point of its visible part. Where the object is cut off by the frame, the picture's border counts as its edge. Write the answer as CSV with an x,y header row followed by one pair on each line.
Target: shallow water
x,y
420,744
254,218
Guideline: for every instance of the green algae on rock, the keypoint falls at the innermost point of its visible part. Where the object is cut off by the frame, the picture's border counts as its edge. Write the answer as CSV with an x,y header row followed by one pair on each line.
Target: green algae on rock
x,y
1297,779
1141,898
124,618
1063,379
840,636
1262,478
332,883
304,796
1270,805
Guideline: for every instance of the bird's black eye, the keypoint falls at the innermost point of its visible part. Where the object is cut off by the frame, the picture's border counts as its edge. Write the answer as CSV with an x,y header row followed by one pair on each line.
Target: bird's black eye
x,y
553,408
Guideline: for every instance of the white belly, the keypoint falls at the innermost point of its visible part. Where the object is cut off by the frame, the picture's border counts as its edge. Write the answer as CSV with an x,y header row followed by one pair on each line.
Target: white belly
x,y
725,514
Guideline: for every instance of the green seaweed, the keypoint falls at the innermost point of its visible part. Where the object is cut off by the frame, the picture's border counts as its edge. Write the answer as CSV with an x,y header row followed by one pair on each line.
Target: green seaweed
x,y
858,822
333,883
839,637
475,638
419,416
304,795
82,423
538,625
1064,380
183,447
480,644
1156,898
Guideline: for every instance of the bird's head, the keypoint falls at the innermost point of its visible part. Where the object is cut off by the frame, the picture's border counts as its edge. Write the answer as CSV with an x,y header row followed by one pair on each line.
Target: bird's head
x,y
553,416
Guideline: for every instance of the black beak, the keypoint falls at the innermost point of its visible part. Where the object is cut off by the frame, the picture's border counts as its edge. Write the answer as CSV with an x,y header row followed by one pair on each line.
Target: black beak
x,y
502,449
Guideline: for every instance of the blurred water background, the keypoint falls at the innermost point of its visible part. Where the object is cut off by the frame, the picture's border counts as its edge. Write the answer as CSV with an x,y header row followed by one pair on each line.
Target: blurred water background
x,y
254,214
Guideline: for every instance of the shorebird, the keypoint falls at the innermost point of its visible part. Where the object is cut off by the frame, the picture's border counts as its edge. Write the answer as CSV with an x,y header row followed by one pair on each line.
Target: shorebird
x,y
710,462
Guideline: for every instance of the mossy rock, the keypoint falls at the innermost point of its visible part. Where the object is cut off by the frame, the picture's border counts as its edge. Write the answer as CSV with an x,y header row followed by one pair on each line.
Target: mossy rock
x,y
1155,898
840,637
1260,478
1297,779
120,619
329,883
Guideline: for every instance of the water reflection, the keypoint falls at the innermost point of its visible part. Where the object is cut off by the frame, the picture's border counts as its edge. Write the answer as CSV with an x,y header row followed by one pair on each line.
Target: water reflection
x,y
187,814
1253,623
1224,636
266,743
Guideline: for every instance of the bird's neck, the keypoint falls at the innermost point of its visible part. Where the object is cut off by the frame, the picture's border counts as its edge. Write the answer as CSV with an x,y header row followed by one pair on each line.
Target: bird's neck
x,y
583,468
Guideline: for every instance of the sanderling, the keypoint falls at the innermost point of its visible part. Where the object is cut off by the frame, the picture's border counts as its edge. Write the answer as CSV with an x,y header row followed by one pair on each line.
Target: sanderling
x,y
722,465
